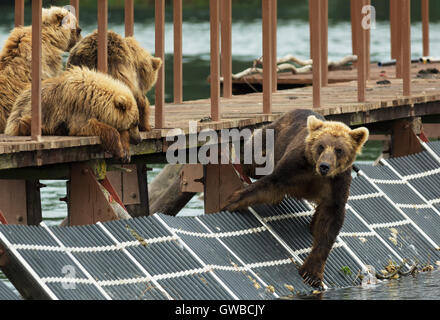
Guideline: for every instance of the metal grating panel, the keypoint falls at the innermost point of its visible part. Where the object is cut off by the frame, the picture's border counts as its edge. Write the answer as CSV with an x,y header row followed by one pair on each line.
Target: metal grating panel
x,y
7,293
391,215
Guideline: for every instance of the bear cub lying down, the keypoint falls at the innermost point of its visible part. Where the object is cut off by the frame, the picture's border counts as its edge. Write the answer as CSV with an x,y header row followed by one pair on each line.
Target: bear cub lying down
x,y
82,102
313,161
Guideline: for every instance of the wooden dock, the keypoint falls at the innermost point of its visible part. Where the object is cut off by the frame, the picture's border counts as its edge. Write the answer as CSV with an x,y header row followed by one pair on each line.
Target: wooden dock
x,y
339,102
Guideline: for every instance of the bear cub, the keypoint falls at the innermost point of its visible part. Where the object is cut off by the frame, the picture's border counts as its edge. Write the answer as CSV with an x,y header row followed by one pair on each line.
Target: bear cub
x,y
82,102
313,160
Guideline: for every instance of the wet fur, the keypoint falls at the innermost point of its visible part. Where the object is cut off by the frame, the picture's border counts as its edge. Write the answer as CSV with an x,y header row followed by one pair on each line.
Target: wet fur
x,y
82,102
15,57
128,62
298,135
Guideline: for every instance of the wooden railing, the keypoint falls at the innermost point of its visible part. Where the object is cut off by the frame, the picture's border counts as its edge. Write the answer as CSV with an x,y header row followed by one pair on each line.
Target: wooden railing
x,y
221,15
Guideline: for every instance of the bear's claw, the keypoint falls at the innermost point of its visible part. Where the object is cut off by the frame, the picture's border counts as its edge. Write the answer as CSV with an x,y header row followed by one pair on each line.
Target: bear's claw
x,y
313,280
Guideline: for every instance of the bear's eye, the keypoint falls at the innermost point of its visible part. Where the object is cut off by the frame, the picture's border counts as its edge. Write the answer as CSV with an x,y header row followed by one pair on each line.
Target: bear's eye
x,y
338,151
320,148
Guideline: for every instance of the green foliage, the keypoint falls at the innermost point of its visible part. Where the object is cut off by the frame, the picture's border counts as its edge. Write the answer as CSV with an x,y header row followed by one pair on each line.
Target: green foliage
x,y
346,271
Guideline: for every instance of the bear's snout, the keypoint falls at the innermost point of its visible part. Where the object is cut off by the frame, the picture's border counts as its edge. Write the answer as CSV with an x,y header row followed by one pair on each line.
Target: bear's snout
x,y
324,168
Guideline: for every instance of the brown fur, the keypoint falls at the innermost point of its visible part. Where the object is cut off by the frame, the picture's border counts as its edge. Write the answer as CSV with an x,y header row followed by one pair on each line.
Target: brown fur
x,y
128,62
15,58
82,102
303,142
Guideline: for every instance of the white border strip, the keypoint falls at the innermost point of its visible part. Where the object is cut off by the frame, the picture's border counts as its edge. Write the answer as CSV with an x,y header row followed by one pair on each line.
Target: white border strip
x,y
26,265
136,263
246,267
88,275
220,234
196,257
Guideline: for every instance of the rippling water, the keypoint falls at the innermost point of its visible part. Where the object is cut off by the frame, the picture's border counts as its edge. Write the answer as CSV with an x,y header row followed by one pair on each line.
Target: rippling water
x,y
293,38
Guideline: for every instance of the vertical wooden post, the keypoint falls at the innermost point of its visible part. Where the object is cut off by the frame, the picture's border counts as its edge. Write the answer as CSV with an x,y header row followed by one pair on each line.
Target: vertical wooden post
x,y
75,4
367,46
397,8
214,8
19,13
160,52
354,22
406,46
177,68
361,46
315,28
425,23
324,42
226,47
129,18
274,24
393,29
102,35
36,69
267,56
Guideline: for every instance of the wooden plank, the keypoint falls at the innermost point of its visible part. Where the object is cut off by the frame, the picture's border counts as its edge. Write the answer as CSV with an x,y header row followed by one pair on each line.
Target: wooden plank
x,y
75,5
87,203
274,24
226,47
13,201
214,8
361,47
36,69
324,42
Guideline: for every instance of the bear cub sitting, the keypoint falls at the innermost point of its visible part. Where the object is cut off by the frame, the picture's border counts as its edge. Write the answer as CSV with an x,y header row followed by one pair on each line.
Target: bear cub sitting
x,y
313,161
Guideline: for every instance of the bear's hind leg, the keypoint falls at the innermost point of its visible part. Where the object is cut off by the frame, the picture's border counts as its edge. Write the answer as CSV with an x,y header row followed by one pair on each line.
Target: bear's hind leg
x,y
144,112
110,137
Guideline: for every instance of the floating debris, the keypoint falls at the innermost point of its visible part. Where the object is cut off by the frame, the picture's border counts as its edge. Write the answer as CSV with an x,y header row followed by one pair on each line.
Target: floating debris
x,y
136,236
289,287
346,271
271,289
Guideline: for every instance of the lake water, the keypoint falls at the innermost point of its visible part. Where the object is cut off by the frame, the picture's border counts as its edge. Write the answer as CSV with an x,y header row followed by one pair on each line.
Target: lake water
x,y
293,38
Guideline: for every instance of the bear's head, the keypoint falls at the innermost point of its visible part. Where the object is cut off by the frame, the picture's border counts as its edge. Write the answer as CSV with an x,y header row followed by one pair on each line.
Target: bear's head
x,y
147,66
127,115
61,27
332,146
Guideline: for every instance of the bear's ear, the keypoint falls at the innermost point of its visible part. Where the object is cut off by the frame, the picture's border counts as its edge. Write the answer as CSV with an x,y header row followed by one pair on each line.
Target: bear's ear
x,y
156,63
121,103
360,136
314,123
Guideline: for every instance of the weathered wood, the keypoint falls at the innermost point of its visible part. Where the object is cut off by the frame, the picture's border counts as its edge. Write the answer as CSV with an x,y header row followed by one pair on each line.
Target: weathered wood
x,y
102,36
19,13
220,182
404,141
36,69
165,194
160,53
87,203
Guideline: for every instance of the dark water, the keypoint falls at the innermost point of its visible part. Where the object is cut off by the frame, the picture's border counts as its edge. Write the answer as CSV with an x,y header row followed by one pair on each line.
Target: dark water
x,y
293,38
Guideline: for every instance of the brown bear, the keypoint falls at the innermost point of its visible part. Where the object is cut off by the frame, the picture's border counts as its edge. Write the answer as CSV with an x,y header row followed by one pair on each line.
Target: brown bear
x,y
82,102
127,62
313,160
60,32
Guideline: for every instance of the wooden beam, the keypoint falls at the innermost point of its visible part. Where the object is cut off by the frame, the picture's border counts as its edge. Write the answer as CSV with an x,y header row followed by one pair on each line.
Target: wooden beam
x,y
226,47
221,181
177,69
160,52
403,140
354,22
102,36
324,42
129,17
36,69
75,5
19,13
274,24
406,47
267,56
425,27
315,27
361,47
214,8
367,46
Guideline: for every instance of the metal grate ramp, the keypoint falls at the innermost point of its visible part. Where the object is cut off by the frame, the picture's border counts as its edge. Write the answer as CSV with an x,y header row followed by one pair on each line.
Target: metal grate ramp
x,y
392,214
7,293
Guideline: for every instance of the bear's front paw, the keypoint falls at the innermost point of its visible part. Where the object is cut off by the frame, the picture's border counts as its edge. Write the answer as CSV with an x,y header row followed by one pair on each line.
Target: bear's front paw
x,y
235,201
310,276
